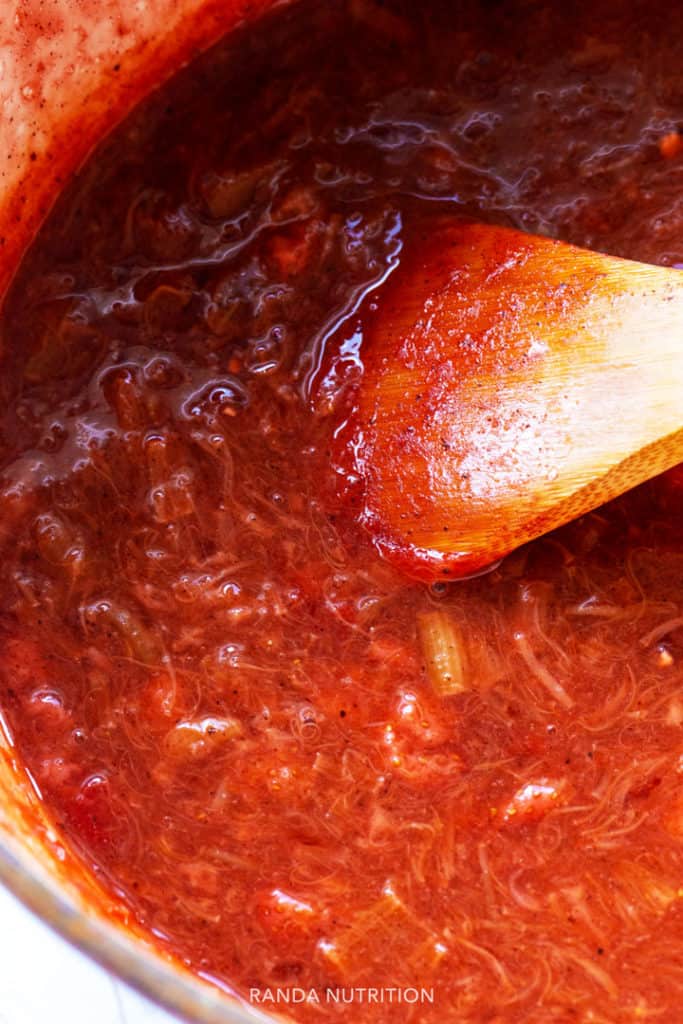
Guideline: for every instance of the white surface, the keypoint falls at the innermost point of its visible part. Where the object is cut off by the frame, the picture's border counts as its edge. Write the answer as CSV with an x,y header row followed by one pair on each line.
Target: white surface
x,y
44,980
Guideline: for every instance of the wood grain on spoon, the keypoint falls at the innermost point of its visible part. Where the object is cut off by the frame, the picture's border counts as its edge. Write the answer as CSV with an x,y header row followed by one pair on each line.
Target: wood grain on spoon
x,y
511,383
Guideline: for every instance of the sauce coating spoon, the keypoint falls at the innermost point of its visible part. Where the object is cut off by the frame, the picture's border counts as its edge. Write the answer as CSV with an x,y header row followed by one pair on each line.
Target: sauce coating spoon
x,y
511,383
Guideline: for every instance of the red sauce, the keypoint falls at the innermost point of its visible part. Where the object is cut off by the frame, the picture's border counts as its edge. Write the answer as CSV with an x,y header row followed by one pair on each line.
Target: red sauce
x,y
300,768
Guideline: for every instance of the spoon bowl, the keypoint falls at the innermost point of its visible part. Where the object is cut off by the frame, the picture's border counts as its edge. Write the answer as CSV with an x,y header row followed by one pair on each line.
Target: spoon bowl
x,y
511,383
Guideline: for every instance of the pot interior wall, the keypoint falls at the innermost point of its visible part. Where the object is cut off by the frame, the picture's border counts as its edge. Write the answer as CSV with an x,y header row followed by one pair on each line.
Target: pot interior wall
x,y
70,70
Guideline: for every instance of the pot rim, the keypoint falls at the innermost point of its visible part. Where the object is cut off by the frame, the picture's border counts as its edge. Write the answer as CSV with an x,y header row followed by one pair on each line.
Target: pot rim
x,y
168,984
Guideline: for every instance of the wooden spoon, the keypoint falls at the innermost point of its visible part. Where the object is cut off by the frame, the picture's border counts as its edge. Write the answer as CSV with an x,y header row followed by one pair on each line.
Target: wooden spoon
x,y
511,383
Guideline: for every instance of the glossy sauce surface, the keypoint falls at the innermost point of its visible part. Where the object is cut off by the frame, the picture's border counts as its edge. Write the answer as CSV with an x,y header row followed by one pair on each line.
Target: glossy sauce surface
x,y
235,708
